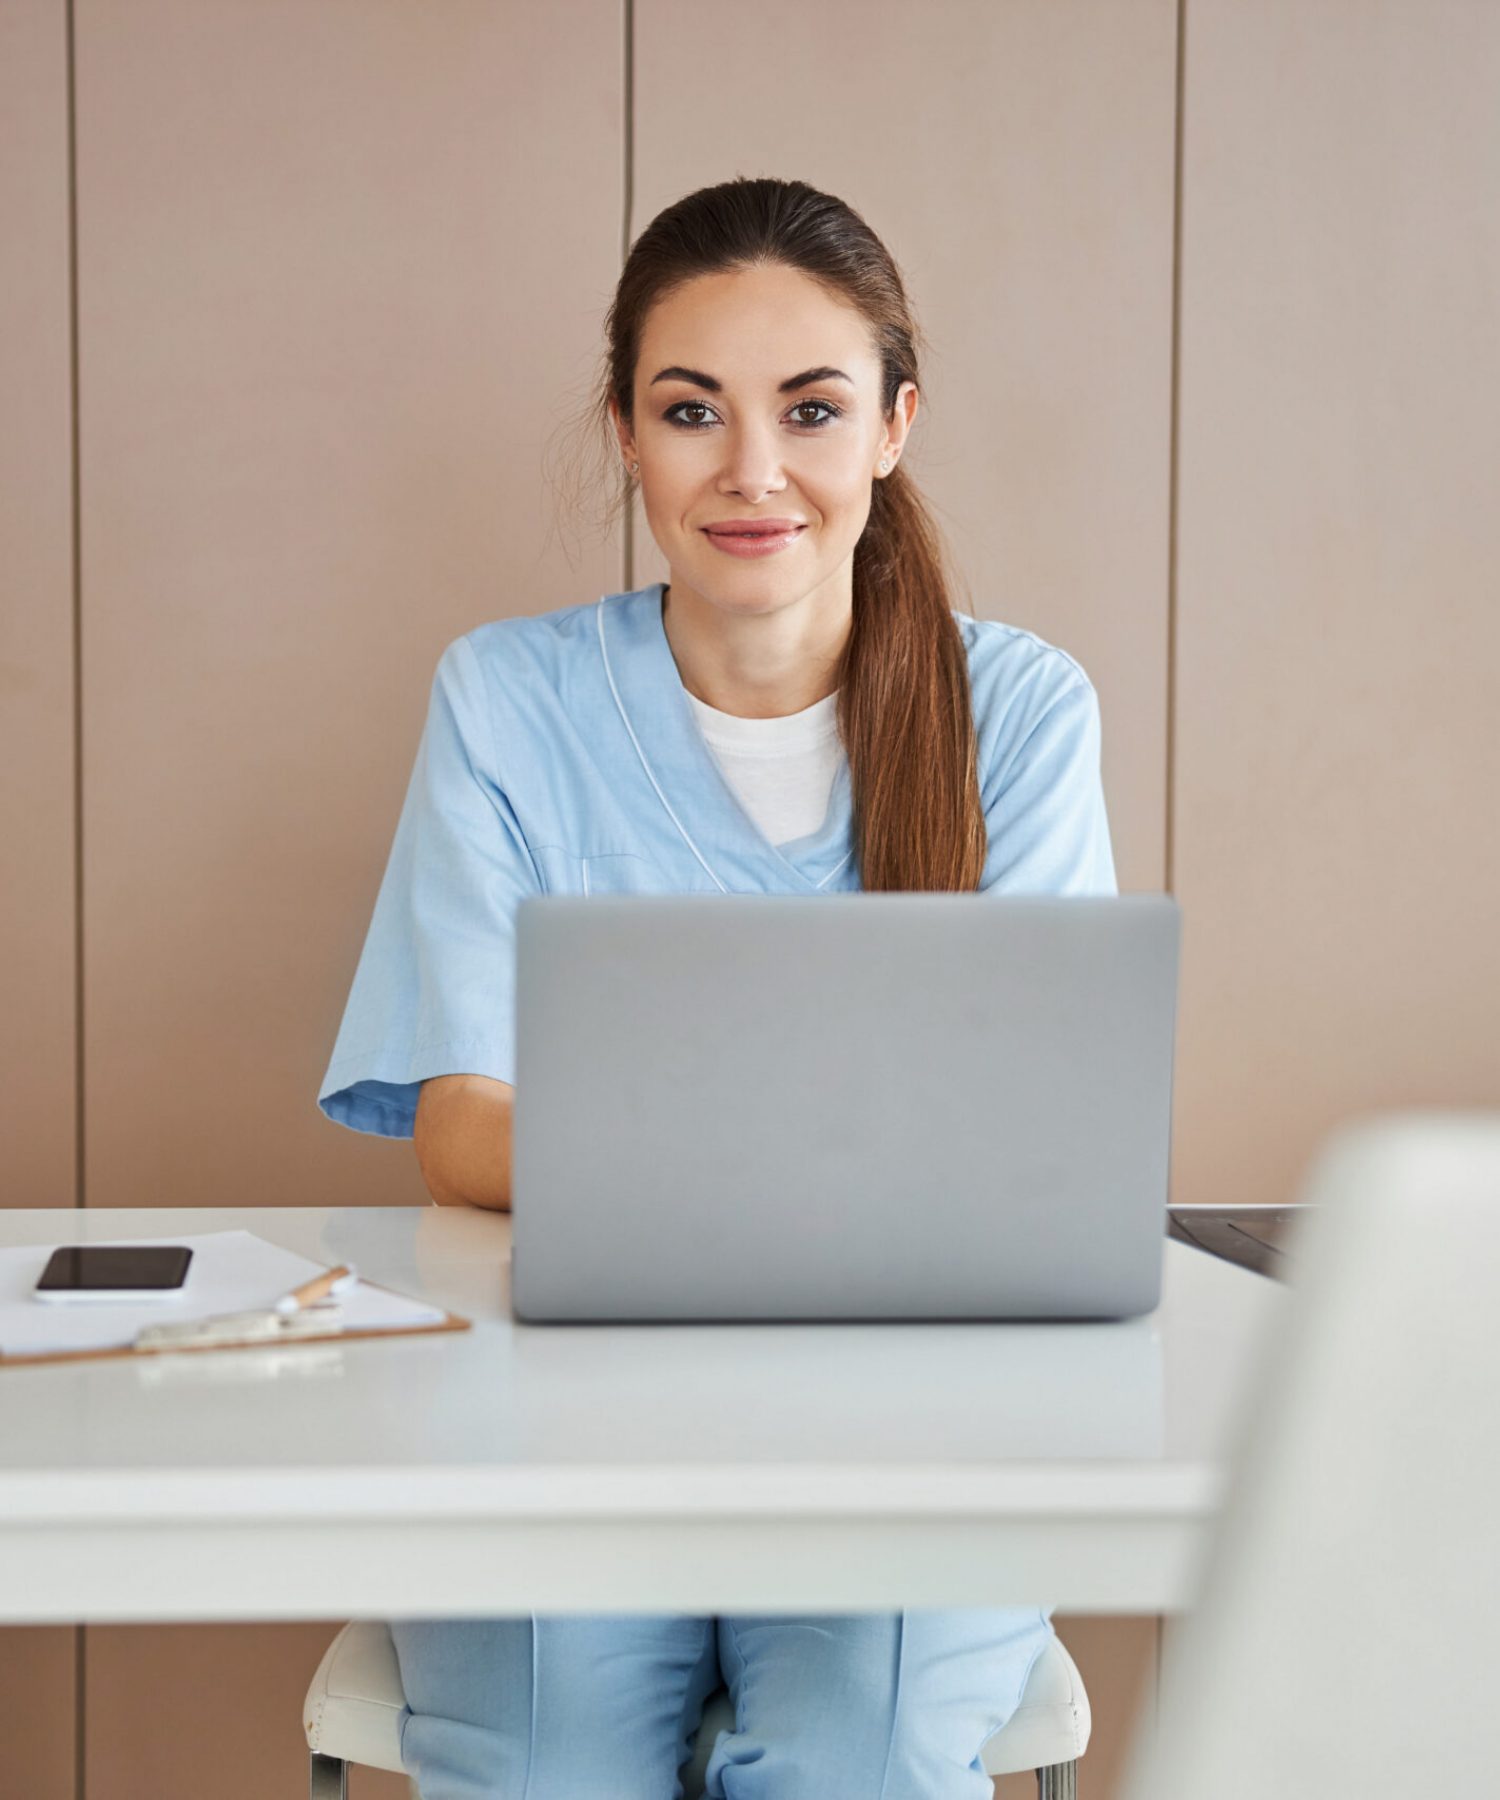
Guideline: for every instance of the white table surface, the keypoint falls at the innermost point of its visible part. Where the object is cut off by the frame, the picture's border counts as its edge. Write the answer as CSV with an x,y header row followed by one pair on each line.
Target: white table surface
x,y
602,1468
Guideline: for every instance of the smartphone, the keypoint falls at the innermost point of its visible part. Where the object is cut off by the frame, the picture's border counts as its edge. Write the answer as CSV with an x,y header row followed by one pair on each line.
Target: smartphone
x,y
114,1272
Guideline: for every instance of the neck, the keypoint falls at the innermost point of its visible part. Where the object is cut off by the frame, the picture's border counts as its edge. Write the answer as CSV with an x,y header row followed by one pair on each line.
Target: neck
x,y
758,665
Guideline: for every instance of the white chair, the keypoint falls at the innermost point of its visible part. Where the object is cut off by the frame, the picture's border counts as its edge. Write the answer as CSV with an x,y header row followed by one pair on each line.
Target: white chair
x,y
1343,1641
353,1709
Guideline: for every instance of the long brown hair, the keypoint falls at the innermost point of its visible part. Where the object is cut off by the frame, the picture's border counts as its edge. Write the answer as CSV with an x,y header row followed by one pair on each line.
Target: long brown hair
x,y
904,709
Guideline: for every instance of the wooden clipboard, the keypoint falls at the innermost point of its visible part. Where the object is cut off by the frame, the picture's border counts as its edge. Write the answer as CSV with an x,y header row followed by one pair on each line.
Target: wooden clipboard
x,y
450,1321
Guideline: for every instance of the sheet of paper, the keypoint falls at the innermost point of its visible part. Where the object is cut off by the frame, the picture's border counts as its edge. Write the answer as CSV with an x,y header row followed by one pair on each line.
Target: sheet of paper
x,y
230,1271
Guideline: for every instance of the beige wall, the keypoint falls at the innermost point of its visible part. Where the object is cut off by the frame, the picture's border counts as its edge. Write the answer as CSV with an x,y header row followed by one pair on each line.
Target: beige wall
x,y
38,1042
1336,766
340,271
38,1089
338,265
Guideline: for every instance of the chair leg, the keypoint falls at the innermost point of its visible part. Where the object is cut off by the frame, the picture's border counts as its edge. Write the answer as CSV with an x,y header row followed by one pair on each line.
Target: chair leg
x,y
328,1778
1058,1781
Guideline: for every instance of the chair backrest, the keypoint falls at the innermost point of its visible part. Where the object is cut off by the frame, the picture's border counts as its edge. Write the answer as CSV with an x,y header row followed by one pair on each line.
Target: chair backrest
x,y
1345,1640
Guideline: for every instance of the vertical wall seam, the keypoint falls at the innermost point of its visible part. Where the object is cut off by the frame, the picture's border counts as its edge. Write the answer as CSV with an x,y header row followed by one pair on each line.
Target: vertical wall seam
x,y
627,203
80,1196
1174,453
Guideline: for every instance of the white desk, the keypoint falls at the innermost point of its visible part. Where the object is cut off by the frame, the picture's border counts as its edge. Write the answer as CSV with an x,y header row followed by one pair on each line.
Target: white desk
x,y
599,1468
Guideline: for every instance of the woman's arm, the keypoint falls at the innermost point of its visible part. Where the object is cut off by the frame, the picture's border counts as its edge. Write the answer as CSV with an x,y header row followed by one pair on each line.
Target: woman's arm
x,y
462,1138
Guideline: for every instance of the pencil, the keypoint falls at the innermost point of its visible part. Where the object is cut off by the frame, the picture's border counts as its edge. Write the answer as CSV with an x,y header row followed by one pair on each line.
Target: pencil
x,y
314,1289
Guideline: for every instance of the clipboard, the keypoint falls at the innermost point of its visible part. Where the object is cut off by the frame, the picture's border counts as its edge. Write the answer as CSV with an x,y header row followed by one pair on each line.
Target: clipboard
x,y
227,1298
336,1334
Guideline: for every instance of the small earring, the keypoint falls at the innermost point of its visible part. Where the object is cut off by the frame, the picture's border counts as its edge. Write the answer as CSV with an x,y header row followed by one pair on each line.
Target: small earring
x,y
885,463
632,467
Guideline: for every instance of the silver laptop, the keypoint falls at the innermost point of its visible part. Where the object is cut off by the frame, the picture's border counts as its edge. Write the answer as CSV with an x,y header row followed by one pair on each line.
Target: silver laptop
x,y
844,1106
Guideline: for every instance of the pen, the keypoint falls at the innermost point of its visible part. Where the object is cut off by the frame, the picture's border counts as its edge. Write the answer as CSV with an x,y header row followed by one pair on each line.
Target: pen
x,y
331,1281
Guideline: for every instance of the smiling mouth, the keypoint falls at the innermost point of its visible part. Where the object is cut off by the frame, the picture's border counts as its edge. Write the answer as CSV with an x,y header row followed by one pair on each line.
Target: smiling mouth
x,y
753,543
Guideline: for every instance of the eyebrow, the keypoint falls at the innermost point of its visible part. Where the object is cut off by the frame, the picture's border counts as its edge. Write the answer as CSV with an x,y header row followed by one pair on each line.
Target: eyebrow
x,y
699,379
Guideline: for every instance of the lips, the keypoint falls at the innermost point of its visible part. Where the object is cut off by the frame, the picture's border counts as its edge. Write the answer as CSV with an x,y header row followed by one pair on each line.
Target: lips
x,y
754,527
754,540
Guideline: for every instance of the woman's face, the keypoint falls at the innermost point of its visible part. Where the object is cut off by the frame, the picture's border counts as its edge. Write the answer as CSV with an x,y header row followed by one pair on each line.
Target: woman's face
x,y
757,397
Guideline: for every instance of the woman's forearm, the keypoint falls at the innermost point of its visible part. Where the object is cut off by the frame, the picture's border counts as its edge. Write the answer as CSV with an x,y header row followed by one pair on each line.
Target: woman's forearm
x,y
462,1138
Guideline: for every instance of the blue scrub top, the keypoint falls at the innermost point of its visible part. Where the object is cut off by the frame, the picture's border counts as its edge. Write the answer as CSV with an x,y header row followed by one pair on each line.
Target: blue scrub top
x,y
561,756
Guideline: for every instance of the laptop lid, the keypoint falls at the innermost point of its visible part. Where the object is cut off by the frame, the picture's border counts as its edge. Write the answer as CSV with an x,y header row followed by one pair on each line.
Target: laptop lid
x,y
848,1106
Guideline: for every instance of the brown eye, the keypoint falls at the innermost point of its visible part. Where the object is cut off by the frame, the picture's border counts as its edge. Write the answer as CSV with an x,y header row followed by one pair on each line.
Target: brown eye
x,y
688,406
813,424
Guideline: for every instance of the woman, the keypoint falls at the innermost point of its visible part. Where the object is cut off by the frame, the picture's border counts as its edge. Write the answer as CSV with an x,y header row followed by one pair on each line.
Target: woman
x,y
798,709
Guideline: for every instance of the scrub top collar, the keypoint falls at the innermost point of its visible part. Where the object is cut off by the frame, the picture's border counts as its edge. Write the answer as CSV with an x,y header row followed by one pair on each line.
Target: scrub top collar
x,y
654,706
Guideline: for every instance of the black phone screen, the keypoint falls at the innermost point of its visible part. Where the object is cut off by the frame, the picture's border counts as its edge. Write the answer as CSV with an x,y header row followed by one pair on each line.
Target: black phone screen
x,y
76,1266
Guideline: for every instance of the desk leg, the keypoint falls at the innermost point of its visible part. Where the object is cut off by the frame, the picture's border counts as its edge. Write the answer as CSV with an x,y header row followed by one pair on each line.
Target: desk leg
x,y
328,1778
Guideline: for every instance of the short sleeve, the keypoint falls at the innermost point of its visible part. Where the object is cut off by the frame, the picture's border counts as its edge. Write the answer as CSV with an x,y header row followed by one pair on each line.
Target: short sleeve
x,y
1048,829
434,989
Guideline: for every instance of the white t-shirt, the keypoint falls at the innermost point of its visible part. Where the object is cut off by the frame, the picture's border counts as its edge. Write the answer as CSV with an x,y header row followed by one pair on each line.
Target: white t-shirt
x,y
781,770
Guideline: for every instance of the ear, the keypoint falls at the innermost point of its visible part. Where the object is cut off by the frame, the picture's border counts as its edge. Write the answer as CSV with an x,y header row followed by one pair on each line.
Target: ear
x,y
623,433
903,412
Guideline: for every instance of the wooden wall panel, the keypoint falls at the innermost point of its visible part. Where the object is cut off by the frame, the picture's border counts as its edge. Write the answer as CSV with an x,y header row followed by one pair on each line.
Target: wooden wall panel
x,y
175,1711
1017,159
1337,756
38,1707
179,1711
38,1075
323,354
38,1079
322,250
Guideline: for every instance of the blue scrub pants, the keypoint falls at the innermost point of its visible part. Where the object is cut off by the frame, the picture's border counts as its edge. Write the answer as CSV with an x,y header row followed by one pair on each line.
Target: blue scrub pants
x,y
878,1706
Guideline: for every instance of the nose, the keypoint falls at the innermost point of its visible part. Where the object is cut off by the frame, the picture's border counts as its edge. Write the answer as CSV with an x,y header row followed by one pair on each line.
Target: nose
x,y
752,463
